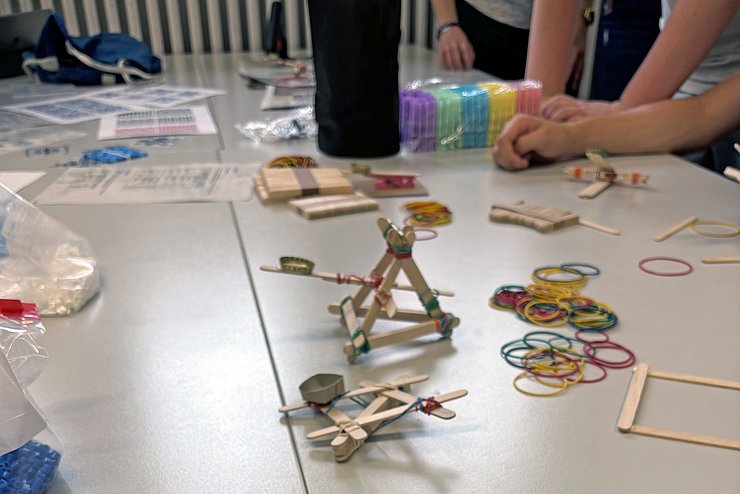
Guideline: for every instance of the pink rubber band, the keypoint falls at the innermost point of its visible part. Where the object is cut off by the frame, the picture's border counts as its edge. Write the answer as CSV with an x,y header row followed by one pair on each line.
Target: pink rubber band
x,y
689,270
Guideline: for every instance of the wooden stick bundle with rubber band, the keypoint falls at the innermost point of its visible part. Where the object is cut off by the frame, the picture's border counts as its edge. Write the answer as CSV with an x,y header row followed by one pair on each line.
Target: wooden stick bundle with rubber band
x,y
541,218
628,414
390,401
288,183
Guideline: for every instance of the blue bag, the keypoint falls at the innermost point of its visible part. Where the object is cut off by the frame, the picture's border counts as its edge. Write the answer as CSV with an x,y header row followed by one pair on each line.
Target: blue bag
x,y
105,58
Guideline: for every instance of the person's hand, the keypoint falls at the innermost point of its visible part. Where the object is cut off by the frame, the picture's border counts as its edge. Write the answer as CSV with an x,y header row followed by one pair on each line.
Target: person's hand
x,y
562,108
526,136
455,51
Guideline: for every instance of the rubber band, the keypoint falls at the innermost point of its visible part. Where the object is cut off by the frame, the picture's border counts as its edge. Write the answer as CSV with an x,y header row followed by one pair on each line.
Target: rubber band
x,y
598,366
530,393
579,337
505,297
292,162
426,213
689,267
542,275
433,233
578,265
723,224
544,314
610,345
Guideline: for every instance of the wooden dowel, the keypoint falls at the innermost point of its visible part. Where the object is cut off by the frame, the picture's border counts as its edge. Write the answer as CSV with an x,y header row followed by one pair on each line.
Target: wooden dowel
x,y
676,228
332,277
686,437
721,260
632,400
597,227
686,378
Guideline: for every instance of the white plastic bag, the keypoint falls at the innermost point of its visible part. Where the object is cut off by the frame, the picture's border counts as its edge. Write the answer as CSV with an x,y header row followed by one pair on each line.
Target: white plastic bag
x,y
42,261
20,329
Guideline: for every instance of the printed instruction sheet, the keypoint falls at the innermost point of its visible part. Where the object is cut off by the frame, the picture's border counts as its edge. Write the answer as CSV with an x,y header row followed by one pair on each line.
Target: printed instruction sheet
x,y
157,96
150,184
70,110
161,122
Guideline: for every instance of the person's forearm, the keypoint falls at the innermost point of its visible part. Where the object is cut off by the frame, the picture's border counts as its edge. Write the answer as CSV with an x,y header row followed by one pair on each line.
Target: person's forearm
x,y
444,11
670,125
691,31
551,35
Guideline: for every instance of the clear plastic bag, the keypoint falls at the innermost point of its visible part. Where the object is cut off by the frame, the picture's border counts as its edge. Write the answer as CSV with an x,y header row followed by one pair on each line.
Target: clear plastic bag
x,y
42,261
437,115
299,124
20,330
30,452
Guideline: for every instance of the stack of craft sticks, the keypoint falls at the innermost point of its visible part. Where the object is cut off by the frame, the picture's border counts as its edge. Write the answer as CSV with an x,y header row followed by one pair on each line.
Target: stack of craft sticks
x,y
288,183
468,116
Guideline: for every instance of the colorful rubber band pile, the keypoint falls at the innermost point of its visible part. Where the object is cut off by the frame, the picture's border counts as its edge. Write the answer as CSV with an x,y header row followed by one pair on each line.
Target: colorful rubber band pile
x,y
556,360
422,215
292,162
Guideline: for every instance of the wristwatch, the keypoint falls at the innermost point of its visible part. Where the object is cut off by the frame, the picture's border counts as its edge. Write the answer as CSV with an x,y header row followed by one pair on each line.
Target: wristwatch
x,y
445,27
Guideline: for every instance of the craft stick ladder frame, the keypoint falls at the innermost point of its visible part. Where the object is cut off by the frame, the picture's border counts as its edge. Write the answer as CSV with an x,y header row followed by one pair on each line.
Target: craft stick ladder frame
x,y
626,421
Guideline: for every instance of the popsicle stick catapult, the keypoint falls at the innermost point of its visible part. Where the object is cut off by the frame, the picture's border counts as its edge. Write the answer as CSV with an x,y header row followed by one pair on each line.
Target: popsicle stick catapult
x,y
380,282
390,402
626,421
603,175
541,218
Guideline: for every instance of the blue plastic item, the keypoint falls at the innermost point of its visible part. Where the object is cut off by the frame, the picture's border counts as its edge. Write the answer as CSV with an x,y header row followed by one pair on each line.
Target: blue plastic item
x,y
29,469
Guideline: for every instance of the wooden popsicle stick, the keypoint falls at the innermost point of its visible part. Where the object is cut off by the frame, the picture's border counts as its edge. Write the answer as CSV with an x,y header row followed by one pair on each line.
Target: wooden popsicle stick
x,y
332,277
351,426
403,397
629,408
397,336
386,415
403,381
597,227
544,214
599,160
686,437
343,445
401,314
721,260
686,378
420,285
676,228
594,190
389,307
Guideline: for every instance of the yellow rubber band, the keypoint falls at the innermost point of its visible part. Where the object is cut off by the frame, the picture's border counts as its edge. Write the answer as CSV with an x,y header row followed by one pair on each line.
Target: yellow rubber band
x,y
530,393
723,224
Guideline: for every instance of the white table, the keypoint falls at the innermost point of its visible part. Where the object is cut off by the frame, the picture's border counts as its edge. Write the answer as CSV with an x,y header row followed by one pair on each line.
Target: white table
x,y
169,380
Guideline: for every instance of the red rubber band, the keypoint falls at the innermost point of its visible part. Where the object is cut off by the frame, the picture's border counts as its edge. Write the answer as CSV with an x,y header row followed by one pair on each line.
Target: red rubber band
x,y
590,350
689,267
